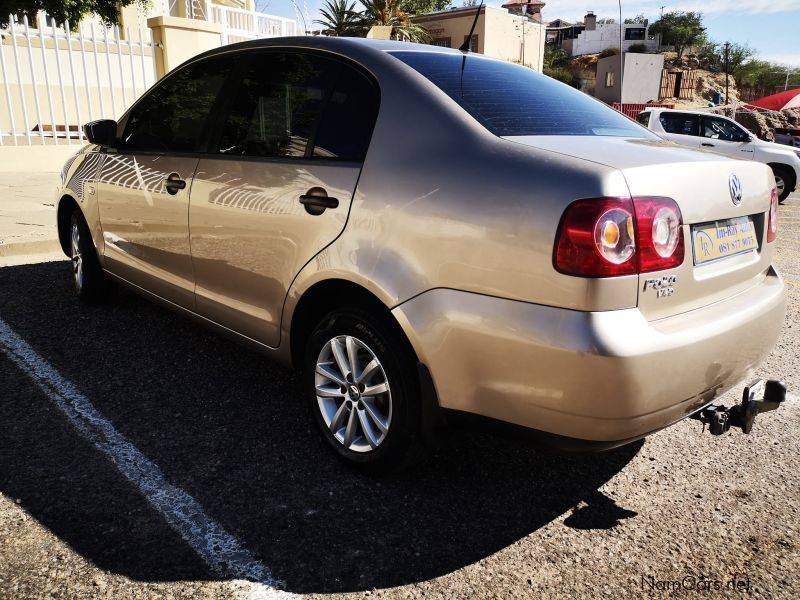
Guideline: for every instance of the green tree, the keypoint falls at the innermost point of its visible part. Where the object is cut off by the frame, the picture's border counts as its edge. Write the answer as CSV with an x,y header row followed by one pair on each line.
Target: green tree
x,y
390,13
419,7
67,10
680,29
341,19
554,57
640,18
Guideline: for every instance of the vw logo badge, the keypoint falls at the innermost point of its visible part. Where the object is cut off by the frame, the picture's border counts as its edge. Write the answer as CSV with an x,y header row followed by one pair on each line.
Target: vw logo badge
x,y
735,187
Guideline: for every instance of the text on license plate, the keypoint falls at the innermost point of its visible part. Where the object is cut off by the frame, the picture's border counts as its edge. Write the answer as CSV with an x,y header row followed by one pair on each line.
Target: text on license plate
x,y
721,239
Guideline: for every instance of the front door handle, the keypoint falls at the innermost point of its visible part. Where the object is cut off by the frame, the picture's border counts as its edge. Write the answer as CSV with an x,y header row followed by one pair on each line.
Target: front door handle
x,y
707,144
316,200
174,183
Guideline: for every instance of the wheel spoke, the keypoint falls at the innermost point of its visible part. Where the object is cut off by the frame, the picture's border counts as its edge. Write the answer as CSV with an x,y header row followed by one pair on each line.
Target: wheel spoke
x,y
329,392
368,370
350,432
326,371
338,417
374,390
366,427
374,415
339,357
352,355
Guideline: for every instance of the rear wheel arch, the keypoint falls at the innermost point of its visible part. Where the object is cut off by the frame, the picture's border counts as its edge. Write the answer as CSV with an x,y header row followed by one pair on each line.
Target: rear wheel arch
x,y
329,295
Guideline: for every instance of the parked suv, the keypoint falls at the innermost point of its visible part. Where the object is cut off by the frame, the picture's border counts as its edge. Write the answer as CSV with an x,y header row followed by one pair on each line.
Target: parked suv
x,y
787,136
721,134
395,221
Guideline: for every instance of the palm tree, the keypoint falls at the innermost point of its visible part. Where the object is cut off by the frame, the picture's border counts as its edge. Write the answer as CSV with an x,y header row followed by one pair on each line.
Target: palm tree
x,y
339,19
389,13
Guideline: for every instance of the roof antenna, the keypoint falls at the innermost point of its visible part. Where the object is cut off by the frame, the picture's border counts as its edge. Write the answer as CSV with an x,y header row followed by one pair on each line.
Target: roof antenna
x,y
467,42
465,46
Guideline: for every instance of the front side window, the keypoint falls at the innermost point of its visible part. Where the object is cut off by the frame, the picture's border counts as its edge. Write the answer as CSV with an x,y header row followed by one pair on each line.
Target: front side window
x,y
721,129
173,117
512,100
679,123
644,118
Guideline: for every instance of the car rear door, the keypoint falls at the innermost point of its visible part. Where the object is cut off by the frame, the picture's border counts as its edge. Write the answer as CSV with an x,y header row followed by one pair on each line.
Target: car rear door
x,y
144,183
681,128
276,185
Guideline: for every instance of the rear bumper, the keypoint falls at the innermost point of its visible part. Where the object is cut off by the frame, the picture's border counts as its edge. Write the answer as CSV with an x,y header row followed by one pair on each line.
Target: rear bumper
x,y
607,377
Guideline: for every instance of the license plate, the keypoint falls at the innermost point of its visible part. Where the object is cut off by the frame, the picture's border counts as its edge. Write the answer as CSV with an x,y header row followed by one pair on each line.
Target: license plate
x,y
722,239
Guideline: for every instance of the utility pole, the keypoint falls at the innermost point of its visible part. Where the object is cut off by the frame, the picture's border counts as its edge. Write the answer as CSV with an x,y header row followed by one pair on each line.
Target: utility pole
x,y
621,53
727,52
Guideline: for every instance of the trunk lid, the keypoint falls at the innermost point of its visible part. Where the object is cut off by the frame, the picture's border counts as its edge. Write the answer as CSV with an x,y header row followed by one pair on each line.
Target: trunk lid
x,y
700,183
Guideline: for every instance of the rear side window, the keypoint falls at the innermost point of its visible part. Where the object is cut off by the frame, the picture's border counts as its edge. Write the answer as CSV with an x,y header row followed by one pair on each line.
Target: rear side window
x,y
680,123
511,100
290,104
173,117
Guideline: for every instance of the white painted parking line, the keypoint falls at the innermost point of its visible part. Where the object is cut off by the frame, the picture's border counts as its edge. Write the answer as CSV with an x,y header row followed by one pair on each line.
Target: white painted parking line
x,y
219,549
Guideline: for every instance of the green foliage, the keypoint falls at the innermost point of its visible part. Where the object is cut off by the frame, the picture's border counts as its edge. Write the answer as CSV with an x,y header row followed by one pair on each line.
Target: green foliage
x,y
606,21
641,48
640,18
561,74
712,56
339,18
680,29
67,10
390,13
608,52
764,73
554,57
418,7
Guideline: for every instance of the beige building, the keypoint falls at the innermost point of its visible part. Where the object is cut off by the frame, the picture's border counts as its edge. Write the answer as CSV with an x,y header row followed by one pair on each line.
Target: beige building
x,y
499,33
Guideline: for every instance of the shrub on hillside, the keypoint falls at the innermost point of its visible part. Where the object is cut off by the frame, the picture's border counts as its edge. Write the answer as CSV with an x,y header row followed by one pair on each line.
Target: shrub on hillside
x,y
640,48
609,52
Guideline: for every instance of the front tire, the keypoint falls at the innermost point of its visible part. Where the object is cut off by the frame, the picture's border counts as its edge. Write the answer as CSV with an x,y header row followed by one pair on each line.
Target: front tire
x,y
360,379
783,181
87,275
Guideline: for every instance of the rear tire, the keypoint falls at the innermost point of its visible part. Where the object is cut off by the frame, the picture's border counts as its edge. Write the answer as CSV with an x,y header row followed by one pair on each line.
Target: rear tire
x,y
784,180
369,415
87,275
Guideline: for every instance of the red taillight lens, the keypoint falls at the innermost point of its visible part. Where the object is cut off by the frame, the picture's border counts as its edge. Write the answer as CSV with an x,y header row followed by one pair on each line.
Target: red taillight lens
x,y
772,224
658,222
608,237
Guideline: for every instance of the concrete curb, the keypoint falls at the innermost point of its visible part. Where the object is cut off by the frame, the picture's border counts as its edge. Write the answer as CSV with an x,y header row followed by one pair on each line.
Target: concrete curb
x,y
37,247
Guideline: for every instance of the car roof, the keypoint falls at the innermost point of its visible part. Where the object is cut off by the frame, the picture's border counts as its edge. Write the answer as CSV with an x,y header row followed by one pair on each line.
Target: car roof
x,y
680,110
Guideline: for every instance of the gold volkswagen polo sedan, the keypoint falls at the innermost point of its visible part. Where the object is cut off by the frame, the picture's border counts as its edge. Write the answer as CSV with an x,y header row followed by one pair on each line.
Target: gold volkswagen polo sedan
x,y
421,230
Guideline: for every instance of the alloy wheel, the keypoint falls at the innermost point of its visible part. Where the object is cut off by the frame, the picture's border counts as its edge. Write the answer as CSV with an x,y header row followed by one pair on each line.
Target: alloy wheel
x,y
353,393
77,259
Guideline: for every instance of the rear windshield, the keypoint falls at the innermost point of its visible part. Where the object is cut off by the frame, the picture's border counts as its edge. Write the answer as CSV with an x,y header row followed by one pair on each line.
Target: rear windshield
x,y
511,100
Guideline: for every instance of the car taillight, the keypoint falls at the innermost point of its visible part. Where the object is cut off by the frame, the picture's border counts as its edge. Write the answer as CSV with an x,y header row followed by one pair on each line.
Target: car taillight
x,y
772,225
608,237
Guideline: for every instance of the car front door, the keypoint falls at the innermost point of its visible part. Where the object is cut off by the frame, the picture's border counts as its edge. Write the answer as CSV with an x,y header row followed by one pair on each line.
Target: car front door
x,y
276,186
144,182
681,128
726,137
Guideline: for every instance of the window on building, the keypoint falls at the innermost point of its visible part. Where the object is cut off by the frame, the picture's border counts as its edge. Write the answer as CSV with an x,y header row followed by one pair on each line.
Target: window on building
x,y
473,43
442,42
634,33
609,79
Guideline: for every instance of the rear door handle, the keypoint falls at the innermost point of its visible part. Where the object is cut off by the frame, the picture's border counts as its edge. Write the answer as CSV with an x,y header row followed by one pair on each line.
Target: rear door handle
x,y
316,200
174,183
707,144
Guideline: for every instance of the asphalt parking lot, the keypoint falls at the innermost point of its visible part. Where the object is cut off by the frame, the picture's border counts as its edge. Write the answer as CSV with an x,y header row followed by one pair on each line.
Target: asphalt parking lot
x,y
485,516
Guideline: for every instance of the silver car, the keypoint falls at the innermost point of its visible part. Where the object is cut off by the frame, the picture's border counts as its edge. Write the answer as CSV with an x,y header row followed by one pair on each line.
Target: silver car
x,y
421,230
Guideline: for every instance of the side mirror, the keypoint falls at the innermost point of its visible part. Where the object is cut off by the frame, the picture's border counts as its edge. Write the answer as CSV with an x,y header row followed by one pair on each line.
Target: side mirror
x,y
103,132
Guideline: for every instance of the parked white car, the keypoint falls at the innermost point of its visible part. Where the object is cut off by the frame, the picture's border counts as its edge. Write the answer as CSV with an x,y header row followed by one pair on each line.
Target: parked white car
x,y
708,131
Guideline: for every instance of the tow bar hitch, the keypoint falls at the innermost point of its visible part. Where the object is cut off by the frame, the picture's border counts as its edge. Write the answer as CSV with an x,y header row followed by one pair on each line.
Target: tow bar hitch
x,y
758,397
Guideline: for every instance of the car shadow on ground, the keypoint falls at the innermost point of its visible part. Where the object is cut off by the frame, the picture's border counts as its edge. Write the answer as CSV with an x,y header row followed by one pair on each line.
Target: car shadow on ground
x,y
227,426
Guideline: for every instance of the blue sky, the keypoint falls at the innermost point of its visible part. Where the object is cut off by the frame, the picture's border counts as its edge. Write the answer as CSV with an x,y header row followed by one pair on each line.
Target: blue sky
x,y
771,27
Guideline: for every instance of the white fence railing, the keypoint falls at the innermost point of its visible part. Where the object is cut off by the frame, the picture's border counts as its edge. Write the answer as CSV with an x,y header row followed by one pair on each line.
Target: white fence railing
x,y
241,25
55,79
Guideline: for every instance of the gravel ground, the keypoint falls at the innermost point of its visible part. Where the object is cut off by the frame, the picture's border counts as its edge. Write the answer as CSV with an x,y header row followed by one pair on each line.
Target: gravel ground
x,y
485,516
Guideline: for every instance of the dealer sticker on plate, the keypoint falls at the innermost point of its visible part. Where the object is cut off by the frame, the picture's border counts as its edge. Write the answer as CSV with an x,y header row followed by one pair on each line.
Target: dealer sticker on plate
x,y
721,239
